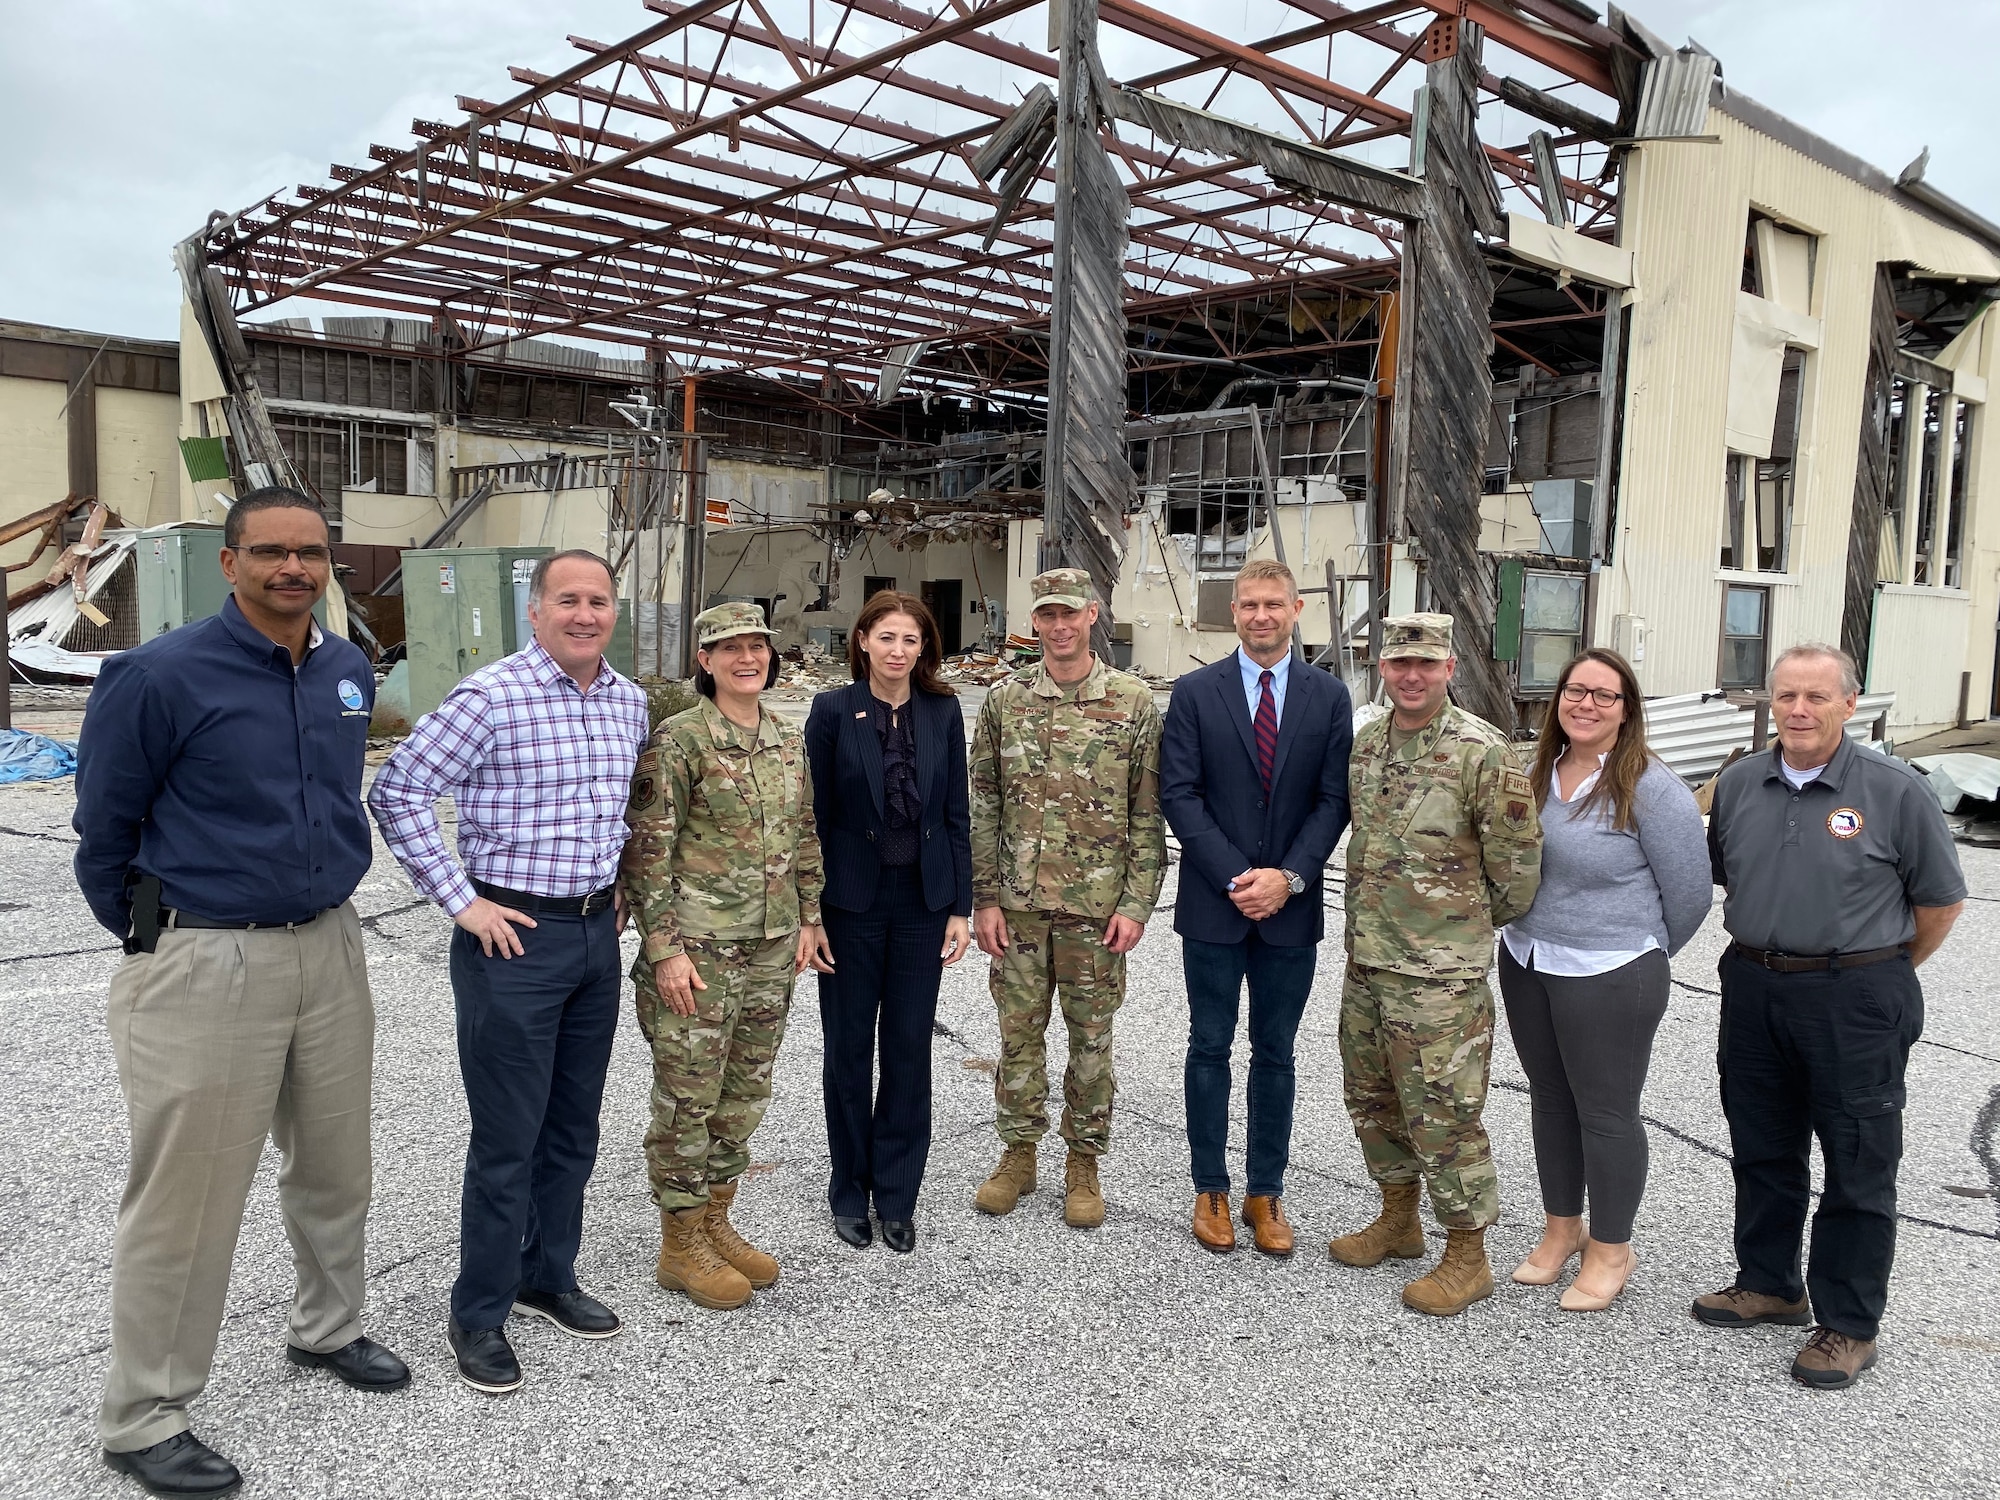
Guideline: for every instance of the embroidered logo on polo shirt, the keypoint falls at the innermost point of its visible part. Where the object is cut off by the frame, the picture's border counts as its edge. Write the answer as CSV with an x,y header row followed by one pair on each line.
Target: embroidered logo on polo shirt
x,y
1844,822
350,694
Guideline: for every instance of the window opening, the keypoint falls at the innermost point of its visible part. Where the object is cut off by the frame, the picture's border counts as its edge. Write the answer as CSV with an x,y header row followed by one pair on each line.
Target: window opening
x,y
1746,632
1931,438
1758,492
1960,470
1551,627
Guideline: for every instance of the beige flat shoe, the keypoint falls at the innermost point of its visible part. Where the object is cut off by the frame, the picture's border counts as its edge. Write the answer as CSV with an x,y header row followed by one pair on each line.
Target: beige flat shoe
x,y
1574,1301
1527,1273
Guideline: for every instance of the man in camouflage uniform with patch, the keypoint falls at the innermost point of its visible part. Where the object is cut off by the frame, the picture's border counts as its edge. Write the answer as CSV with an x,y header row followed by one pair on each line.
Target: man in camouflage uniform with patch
x,y
1446,848
1068,852
722,874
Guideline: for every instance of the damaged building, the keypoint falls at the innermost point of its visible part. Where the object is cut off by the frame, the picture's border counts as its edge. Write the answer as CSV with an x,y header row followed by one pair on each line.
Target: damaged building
x,y
1503,307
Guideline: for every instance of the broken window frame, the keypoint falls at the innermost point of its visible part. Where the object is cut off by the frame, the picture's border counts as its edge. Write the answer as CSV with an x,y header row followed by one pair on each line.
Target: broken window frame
x,y
378,455
1925,508
1889,555
1958,493
1759,494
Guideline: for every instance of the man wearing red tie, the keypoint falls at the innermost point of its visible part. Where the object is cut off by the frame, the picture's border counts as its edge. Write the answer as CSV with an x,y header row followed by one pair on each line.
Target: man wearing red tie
x,y
1253,781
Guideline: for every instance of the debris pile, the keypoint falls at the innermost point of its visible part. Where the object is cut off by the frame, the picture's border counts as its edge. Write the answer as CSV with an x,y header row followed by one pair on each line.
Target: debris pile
x,y
1967,787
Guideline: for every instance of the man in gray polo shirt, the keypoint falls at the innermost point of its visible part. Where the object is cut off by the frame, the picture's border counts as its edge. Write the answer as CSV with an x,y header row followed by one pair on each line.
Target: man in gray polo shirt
x,y
1841,878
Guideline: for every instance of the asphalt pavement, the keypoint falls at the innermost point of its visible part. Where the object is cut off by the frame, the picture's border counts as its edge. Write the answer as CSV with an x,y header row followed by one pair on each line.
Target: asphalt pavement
x,y
1006,1357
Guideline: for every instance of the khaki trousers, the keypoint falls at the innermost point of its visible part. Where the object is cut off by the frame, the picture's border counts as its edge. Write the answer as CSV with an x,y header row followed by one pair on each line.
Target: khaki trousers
x,y
224,1038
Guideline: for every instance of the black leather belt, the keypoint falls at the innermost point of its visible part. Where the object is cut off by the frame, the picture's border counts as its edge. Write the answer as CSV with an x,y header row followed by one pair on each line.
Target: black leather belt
x,y
185,919
1814,963
547,906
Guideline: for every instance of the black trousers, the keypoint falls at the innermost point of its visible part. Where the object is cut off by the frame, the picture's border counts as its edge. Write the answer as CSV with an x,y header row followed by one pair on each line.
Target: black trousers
x,y
881,996
534,1040
1819,1054
1585,1044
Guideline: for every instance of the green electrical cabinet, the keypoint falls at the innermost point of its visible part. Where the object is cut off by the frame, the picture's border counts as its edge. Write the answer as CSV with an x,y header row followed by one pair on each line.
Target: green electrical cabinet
x,y
466,607
463,608
179,577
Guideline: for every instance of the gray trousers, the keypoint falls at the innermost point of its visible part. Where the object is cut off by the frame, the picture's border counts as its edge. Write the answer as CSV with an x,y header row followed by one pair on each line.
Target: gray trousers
x,y
1585,1045
224,1038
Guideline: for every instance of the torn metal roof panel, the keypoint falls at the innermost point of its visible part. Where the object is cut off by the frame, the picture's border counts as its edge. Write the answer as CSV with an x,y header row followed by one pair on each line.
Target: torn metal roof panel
x,y
794,187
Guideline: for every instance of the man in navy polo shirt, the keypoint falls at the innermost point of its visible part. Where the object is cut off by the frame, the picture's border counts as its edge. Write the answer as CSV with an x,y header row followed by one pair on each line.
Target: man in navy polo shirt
x,y
222,832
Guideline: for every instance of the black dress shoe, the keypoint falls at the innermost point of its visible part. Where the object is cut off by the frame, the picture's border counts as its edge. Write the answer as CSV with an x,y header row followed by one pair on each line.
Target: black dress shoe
x,y
900,1235
857,1232
485,1359
577,1313
181,1465
363,1364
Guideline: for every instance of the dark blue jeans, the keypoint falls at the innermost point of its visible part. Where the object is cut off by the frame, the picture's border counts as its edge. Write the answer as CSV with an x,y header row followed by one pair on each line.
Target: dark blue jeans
x,y
1280,980
534,1040
1818,1054
882,996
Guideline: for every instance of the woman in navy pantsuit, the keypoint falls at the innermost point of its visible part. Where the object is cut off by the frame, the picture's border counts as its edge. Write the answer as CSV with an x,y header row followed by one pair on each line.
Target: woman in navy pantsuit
x,y
889,794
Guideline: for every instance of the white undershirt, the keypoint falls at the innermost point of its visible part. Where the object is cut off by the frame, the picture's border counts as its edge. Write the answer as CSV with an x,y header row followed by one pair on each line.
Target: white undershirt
x,y
1800,780
1556,958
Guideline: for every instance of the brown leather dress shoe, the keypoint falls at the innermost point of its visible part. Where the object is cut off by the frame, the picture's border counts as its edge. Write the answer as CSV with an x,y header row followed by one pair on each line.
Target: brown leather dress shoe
x,y
1266,1217
1211,1222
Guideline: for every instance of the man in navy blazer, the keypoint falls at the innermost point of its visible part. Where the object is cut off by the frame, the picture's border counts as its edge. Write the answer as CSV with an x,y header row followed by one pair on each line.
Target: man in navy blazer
x,y
1253,781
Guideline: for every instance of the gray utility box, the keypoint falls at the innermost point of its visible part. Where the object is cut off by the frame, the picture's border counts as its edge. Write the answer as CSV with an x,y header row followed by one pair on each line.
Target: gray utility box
x,y
179,577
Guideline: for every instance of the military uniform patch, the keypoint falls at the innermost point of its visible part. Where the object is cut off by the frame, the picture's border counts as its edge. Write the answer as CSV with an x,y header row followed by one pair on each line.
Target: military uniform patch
x,y
642,792
1520,800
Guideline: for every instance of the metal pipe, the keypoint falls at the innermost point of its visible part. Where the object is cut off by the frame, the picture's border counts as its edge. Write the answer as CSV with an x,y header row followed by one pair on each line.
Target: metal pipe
x,y
1334,382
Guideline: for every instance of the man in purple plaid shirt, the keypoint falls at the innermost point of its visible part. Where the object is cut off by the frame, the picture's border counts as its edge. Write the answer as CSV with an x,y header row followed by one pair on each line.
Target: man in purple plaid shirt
x,y
537,753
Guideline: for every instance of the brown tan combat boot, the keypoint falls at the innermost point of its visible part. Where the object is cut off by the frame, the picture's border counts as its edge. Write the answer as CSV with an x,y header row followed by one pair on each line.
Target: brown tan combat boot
x,y
759,1269
1395,1230
1083,1199
1460,1279
689,1263
1014,1176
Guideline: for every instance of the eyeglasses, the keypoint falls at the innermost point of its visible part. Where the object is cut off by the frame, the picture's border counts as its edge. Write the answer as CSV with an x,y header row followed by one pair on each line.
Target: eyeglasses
x,y
272,553
1576,692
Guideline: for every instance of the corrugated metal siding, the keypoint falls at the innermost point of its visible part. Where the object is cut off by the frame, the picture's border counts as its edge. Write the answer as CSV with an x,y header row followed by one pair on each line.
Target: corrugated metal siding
x,y
1694,732
1921,636
1686,213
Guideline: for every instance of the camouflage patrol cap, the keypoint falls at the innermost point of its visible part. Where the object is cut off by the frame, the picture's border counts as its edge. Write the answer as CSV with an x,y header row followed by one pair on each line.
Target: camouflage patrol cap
x,y
1069,587
1426,636
720,621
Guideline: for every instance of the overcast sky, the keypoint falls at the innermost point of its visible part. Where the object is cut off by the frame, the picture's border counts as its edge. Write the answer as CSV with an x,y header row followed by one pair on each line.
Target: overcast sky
x,y
127,121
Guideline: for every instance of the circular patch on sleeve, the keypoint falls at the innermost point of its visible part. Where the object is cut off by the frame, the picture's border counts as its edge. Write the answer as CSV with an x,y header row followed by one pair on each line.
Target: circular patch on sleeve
x,y
1844,822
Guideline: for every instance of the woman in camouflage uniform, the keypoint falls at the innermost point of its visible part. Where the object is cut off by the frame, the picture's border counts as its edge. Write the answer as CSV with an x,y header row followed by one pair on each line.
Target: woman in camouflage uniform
x,y
722,875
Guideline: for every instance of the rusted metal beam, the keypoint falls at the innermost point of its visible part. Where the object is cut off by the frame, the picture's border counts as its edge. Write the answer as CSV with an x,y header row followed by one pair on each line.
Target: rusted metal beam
x,y
984,14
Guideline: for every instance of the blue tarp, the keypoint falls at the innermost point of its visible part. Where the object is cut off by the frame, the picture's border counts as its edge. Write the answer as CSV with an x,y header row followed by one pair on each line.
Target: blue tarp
x,y
34,757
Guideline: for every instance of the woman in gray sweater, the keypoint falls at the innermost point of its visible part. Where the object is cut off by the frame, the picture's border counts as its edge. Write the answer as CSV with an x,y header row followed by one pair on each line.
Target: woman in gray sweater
x,y
1625,883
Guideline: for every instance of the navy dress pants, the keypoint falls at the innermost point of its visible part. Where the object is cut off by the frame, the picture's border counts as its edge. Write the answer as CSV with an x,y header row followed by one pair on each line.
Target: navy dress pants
x,y
534,1040
1279,981
882,995
1818,1054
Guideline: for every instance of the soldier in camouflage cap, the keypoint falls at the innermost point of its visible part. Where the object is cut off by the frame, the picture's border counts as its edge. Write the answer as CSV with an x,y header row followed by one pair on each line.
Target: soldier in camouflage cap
x,y
722,875
1068,852
1446,848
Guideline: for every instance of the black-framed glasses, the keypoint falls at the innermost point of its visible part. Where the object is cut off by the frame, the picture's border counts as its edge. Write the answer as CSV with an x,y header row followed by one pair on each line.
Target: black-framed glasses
x,y
1576,692
271,553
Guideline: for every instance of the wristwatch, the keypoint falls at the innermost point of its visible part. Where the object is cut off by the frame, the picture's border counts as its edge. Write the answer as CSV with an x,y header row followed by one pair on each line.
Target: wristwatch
x,y
1296,882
